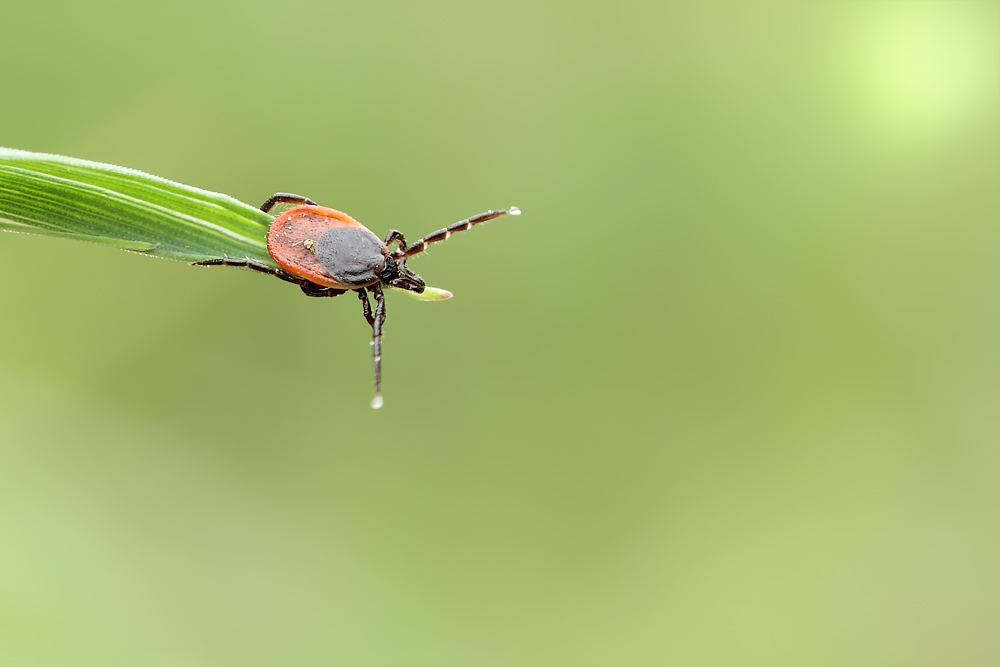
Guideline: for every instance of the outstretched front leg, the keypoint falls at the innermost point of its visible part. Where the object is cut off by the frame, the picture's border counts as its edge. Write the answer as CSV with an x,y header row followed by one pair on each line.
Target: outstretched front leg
x,y
442,234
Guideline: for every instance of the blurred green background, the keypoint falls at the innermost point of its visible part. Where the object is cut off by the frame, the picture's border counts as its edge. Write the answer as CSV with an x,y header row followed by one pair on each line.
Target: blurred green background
x,y
726,393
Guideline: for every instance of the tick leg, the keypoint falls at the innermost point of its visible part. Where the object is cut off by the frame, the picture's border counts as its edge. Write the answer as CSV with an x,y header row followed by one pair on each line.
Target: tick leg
x,y
363,295
442,234
254,265
379,319
286,198
312,289
395,235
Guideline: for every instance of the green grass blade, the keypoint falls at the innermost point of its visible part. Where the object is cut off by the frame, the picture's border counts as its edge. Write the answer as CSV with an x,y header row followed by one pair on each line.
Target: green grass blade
x,y
125,208
429,294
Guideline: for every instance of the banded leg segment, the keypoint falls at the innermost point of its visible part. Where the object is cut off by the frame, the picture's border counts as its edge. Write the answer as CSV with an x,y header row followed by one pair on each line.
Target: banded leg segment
x,y
379,320
442,234
285,198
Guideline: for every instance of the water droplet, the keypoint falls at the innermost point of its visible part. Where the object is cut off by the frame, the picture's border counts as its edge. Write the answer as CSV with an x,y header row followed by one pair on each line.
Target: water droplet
x,y
377,402
513,210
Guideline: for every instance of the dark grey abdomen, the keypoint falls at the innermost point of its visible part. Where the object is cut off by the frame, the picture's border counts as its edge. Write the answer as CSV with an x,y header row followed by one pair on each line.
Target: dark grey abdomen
x,y
352,255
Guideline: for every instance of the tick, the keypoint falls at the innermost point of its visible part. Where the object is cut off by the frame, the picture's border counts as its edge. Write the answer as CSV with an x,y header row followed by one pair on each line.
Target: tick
x,y
329,253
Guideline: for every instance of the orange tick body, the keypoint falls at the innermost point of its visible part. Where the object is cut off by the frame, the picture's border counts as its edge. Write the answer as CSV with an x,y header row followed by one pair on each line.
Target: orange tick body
x,y
328,253
327,247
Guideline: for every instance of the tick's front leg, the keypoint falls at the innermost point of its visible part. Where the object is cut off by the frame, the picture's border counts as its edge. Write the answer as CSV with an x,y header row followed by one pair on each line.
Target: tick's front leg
x,y
395,235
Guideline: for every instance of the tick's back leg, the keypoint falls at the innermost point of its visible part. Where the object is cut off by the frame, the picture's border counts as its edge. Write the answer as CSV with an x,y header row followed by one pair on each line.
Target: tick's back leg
x,y
312,289
285,198
253,265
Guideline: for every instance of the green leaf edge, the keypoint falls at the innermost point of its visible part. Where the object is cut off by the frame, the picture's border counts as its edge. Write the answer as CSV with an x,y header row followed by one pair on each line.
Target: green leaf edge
x,y
65,197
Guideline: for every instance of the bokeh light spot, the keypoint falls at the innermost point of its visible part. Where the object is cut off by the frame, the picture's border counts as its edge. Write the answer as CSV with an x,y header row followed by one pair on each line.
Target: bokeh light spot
x,y
921,71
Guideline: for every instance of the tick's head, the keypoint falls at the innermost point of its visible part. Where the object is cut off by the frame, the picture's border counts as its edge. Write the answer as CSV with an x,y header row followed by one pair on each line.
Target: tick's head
x,y
395,274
